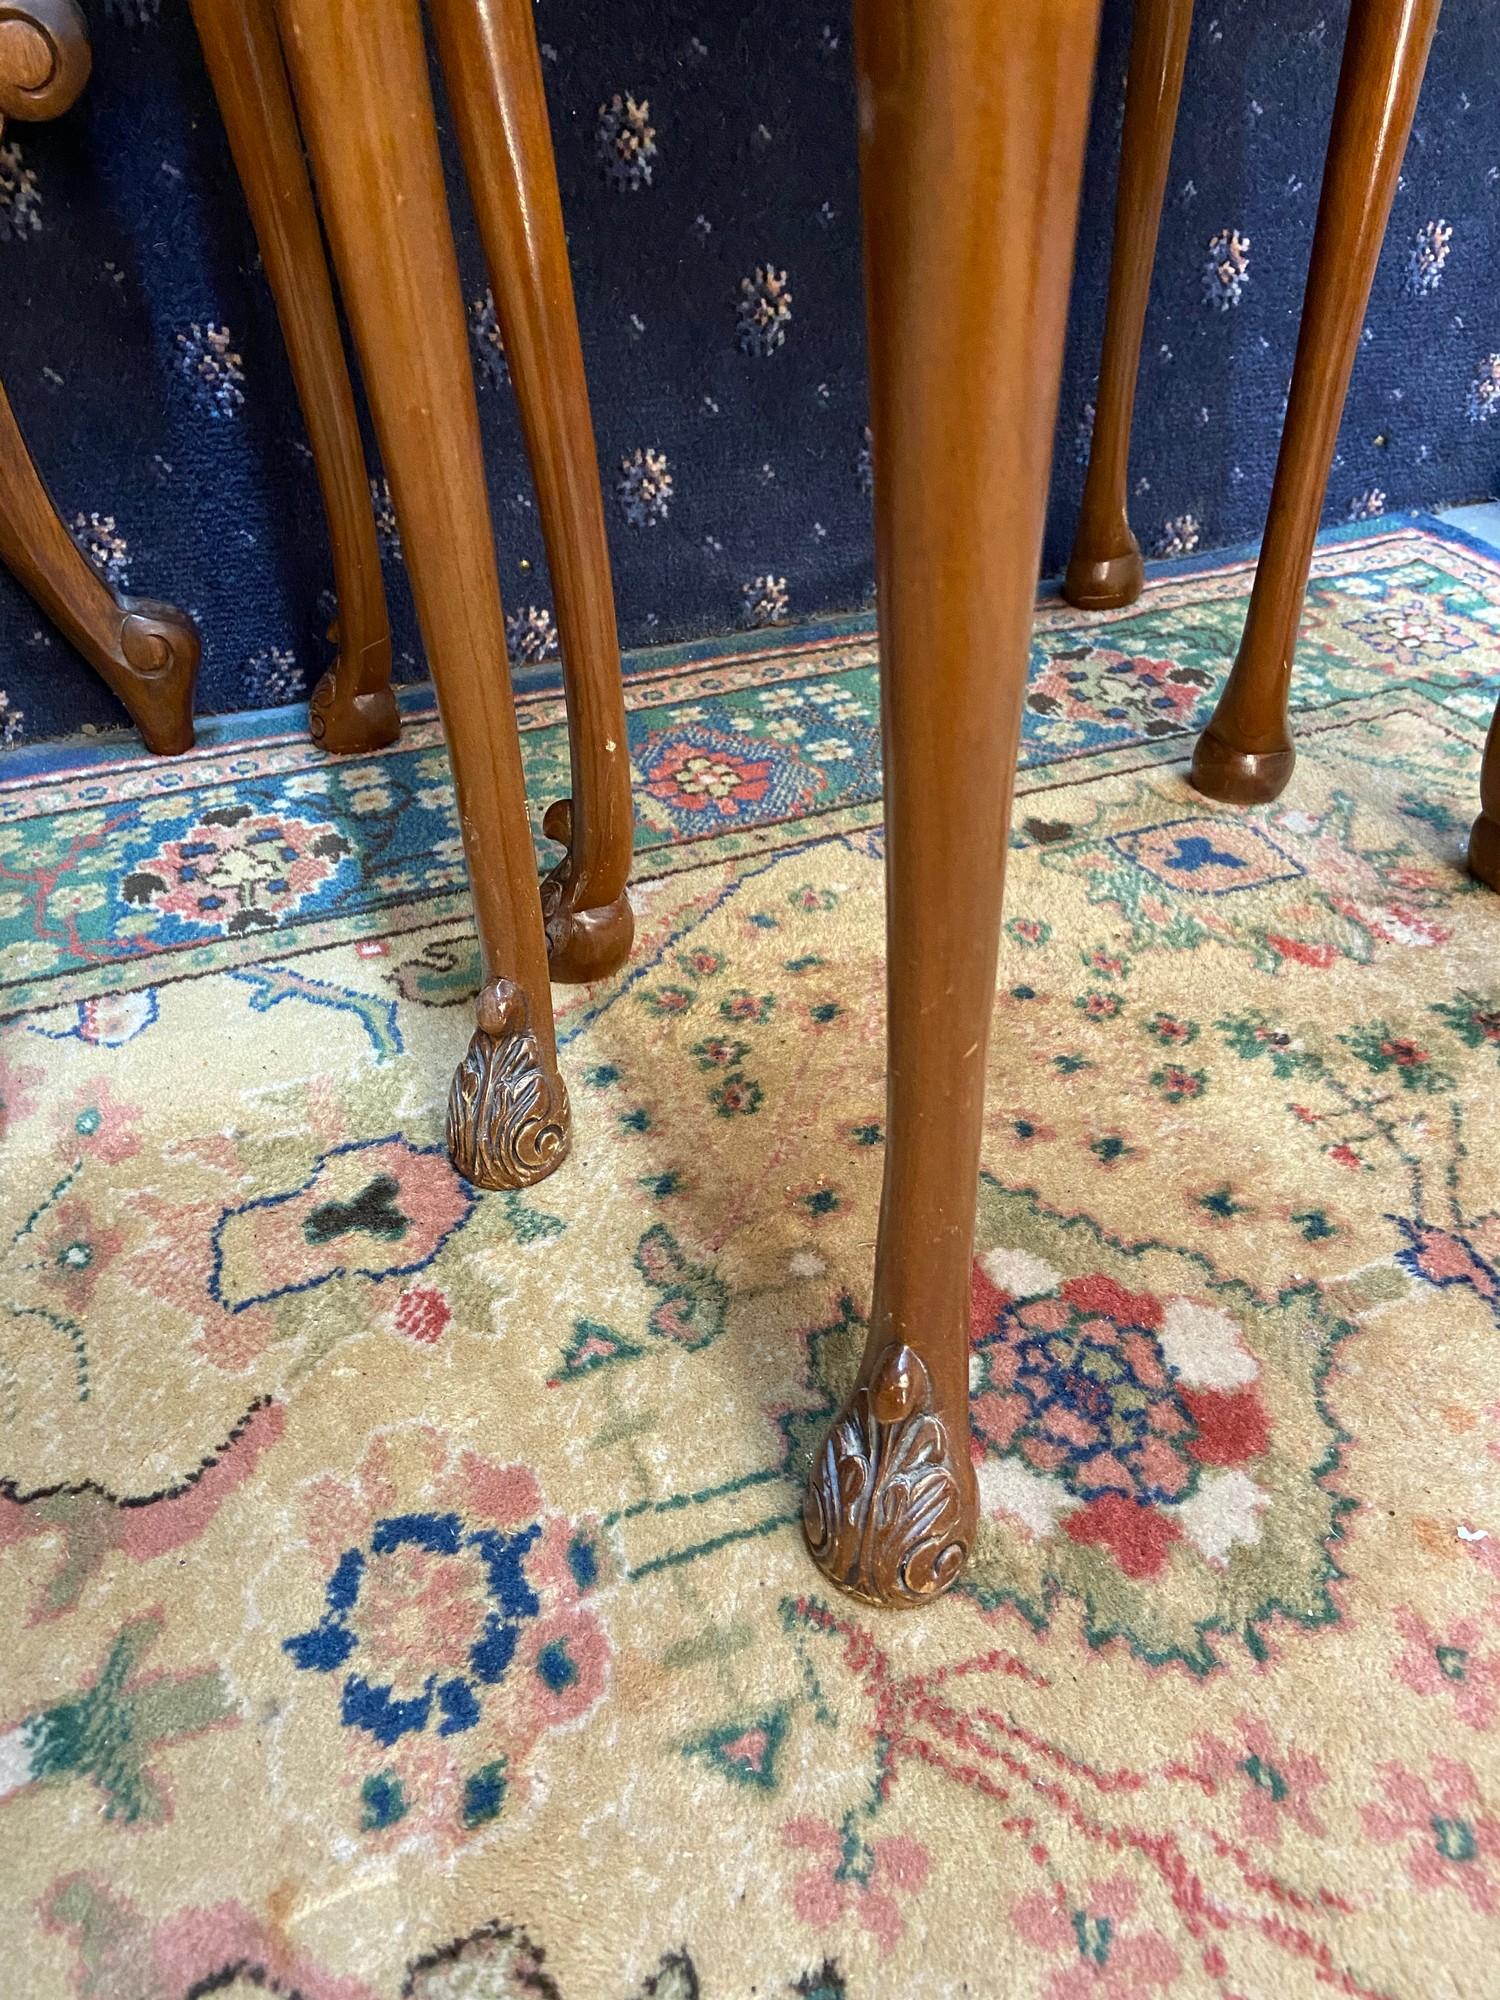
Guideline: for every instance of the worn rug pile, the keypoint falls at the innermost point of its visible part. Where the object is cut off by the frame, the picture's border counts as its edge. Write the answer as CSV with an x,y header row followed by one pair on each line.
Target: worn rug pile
x,y
402,1588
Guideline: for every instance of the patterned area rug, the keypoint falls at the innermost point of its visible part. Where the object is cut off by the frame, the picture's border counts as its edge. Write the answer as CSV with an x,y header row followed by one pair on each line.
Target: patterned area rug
x,y
403,1589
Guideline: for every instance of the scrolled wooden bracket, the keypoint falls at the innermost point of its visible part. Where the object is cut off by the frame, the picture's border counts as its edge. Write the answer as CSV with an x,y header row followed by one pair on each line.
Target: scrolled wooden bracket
x,y
45,58
584,942
351,713
890,1505
509,1125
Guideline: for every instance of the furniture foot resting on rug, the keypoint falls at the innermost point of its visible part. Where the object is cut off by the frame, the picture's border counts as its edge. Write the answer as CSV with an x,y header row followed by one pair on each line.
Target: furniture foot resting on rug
x,y
146,652
1245,755
508,1108
353,707
1484,838
359,69
1105,570
972,122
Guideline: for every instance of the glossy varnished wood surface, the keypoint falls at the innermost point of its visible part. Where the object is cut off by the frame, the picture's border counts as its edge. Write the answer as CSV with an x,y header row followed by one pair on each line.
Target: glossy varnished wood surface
x,y
1105,569
353,707
1245,755
359,69
972,122
146,652
494,79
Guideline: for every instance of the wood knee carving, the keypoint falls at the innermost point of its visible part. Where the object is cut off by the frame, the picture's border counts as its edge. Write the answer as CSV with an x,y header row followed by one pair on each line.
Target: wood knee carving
x,y
146,652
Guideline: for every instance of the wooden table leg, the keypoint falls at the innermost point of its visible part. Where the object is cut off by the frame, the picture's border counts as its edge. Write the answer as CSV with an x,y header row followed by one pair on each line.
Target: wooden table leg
x,y
1105,570
972,121
494,77
1245,755
359,70
1484,838
353,707
146,652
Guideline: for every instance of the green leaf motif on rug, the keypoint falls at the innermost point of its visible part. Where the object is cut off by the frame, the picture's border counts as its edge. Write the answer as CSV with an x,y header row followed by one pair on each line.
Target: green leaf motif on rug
x,y
743,1751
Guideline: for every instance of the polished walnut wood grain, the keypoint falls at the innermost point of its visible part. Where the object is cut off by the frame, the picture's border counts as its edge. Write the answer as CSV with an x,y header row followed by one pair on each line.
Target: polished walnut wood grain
x,y
494,79
353,707
1105,569
359,68
145,651
972,121
1245,755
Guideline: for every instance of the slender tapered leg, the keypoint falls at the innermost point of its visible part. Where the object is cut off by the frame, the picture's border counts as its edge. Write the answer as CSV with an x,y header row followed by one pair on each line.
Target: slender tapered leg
x,y
1484,837
494,78
972,122
147,652
359,70
1105,569
1245,755
353,707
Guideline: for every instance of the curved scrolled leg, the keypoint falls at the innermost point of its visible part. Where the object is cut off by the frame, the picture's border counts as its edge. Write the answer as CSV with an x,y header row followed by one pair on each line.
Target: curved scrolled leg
x,y
1484,838
971,138
45,58
146,652
353,707
1105,569
494,78
1245,755
359,69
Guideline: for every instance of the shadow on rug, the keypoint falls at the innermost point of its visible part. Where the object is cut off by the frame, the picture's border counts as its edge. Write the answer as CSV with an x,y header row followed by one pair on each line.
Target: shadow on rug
x,y
405,1593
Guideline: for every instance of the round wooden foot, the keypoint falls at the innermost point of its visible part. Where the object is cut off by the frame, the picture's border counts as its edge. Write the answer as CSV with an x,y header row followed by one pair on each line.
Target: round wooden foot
x,y
509,1125
1484,850
159,649
1104,583
1239,777
583,942
891,1504
360,722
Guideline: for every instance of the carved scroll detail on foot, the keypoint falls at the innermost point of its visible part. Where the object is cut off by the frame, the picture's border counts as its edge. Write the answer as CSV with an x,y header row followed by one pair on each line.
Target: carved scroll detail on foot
x,y
508,1119
583,943
889,1513
154,673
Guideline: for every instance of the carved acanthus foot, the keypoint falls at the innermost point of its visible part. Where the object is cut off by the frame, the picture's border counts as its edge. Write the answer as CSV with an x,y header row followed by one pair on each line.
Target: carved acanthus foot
x,y
154,671
349,724
582,943
508,1119
890,1506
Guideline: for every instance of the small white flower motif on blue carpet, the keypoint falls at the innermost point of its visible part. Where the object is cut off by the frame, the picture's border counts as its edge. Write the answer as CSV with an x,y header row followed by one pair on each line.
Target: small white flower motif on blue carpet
x,y
1367,505
626,141
1483,398
1429,253
207,357
765,600
764,311
20,198
1226,272
530,635
1179,536
644,487
104,545
487,342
